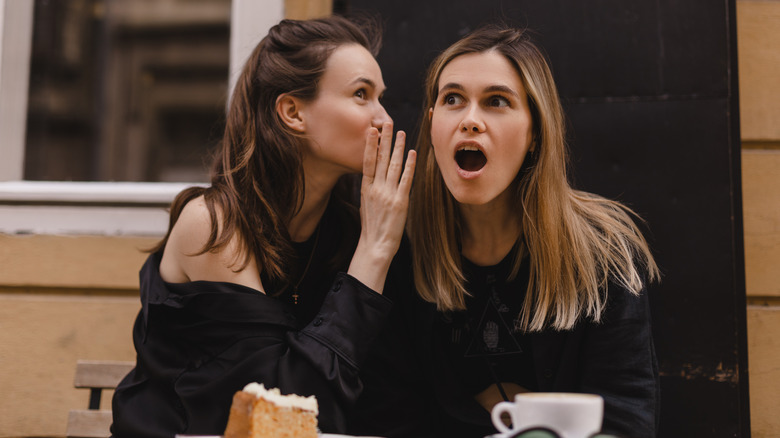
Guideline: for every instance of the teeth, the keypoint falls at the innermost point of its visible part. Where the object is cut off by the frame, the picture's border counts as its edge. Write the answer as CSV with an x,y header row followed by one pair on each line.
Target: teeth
x,y
469,148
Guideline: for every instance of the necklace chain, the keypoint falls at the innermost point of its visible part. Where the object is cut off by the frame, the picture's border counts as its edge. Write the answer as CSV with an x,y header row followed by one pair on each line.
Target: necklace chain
x,y
295,295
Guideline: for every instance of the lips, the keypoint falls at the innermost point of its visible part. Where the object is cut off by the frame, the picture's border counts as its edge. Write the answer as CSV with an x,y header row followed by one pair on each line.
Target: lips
x,y
470,157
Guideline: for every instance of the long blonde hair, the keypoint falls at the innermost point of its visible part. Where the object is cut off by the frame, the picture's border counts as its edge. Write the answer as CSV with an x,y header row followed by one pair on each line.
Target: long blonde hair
x,y
577,242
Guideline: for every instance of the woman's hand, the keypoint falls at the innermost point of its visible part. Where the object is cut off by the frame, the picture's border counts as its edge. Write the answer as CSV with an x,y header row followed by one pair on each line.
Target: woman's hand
x,y
491,396
384,202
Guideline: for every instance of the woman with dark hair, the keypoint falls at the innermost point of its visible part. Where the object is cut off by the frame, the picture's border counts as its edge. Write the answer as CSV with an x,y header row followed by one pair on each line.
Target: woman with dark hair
x,y
245,287
523,283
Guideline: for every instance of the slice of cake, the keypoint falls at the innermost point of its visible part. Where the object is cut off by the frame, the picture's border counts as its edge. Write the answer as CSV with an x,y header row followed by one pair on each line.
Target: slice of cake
x,y
258,412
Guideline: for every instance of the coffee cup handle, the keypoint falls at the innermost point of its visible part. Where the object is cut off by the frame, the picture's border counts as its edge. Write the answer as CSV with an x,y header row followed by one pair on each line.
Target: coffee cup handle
x,y
496,413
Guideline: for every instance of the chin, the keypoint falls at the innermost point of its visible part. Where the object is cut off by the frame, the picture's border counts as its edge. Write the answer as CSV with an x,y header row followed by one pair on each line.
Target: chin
x,y
470,199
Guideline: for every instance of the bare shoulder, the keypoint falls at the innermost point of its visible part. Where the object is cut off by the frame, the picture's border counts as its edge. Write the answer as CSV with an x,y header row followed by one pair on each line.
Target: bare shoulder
x,y
184,260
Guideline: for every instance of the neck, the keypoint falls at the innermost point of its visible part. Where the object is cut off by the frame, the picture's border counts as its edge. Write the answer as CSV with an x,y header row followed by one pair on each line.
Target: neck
x,y
316,194
489,231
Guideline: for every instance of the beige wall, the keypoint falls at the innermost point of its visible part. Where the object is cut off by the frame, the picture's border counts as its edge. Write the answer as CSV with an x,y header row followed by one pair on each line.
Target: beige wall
x,y
305,9
758,31
42,334
61,299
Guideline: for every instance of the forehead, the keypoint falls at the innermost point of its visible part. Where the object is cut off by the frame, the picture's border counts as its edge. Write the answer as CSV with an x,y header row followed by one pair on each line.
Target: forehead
x,y
481,70
349,63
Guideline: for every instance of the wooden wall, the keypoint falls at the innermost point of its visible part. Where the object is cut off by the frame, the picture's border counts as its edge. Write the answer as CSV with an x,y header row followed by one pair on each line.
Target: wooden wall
x,y
61,299
758,30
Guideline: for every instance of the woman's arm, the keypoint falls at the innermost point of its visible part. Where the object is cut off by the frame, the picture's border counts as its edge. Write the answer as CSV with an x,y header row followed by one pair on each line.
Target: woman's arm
x,y
398,399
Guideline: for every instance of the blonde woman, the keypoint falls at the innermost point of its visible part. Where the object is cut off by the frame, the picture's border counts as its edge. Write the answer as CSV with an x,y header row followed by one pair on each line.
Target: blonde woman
x,y
523,283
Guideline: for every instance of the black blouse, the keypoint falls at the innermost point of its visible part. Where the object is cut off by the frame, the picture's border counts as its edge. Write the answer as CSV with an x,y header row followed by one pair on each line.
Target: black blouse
x,y
198,343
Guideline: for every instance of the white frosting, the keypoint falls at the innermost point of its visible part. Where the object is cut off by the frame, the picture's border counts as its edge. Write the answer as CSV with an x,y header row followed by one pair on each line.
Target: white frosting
x,y
274,396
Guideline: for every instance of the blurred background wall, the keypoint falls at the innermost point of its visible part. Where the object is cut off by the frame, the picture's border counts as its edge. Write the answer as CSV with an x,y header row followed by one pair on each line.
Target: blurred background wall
x,y
135,91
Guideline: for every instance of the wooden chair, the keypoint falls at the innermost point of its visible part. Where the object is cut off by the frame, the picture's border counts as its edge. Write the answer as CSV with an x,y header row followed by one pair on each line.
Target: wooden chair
x,y
96,375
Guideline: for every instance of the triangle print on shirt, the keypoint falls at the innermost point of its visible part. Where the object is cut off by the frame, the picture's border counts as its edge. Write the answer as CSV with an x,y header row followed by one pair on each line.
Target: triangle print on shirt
x,y
492,336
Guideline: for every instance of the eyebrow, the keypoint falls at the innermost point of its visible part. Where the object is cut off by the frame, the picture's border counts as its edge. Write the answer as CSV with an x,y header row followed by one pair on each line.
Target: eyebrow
x,y
452,85
370,83
366,81
489,89
502,89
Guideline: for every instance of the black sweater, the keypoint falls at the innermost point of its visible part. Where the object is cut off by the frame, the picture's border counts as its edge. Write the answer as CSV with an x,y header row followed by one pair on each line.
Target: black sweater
x,y
413,388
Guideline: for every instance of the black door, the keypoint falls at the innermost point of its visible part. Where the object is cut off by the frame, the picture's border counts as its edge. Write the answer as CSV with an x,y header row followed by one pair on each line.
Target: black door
x,y
650,90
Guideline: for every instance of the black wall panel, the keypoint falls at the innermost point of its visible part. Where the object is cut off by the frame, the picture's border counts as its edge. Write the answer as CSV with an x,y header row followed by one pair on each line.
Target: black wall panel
x,y
650,91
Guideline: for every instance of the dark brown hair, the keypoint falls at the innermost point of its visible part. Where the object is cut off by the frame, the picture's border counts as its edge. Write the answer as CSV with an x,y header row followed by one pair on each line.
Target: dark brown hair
x,y
257,177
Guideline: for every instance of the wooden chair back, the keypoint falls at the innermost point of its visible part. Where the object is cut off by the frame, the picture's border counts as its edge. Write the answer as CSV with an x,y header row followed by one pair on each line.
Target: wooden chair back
x,y
95,375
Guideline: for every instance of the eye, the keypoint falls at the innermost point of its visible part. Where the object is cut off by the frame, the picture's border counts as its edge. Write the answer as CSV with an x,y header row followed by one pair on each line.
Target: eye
x,y
452,99
361,94
498,101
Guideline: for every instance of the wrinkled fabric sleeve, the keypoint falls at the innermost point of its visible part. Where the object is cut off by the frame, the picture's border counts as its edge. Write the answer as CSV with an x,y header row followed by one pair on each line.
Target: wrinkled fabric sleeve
x,y
346,325
398,399
322,359
619,364
336,344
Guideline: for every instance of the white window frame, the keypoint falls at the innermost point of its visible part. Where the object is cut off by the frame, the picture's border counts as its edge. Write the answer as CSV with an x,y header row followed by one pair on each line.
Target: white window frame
x,y
16,19
95,208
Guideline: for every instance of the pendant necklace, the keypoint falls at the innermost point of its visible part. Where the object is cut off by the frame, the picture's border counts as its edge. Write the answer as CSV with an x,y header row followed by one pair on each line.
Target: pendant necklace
x,y
295,295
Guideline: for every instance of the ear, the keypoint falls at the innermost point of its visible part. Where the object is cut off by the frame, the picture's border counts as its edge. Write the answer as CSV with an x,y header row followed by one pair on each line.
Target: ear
x,y
289,110
430,114
534,143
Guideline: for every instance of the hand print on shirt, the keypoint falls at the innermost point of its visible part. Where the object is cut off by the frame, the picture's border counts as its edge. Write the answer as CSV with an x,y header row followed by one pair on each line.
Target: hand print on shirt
x,y
492,336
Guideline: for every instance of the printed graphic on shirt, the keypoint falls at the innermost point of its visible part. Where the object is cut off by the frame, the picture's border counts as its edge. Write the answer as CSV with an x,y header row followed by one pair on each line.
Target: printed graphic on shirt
x,y
492,336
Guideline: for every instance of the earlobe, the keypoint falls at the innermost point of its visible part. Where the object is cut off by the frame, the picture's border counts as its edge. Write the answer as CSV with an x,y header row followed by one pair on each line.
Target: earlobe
x,y
288,108
534,142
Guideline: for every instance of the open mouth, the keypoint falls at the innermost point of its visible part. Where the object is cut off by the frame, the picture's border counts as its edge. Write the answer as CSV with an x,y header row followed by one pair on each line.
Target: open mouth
x,y
470,159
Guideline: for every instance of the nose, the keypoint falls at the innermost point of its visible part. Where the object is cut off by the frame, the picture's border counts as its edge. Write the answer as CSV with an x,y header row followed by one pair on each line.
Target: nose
x,y
380,118
472,122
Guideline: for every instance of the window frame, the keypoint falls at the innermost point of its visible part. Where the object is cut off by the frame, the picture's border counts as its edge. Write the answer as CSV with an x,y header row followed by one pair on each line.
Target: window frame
x,y
93,208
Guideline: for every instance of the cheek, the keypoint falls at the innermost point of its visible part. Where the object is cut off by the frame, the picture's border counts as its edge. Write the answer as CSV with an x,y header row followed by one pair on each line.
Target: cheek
x,y
527,128
357,122
437,143
437,131
341,131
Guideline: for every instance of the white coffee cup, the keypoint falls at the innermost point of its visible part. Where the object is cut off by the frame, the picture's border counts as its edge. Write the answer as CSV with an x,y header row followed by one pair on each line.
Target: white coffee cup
x,y
569,415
